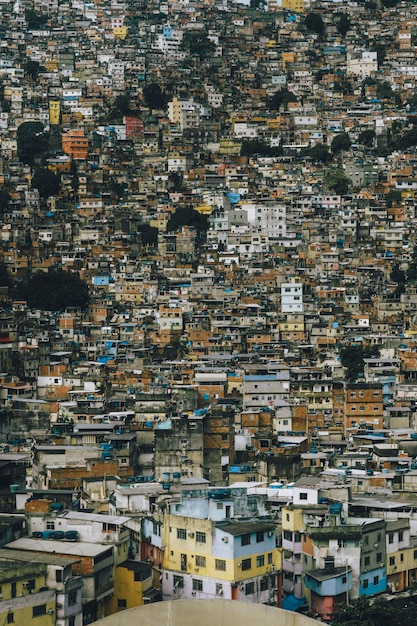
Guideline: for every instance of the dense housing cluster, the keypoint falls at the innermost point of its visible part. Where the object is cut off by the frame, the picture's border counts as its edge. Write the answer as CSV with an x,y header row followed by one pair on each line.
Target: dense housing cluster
x,y
208,291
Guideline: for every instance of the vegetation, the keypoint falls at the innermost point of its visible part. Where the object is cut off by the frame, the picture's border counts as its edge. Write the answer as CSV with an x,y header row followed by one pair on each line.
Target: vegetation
x,y
352,358
318,153
314,23
46,182
154,97
281,98
343,24
149,235
35,19
256,146
197,43
187,216
337,181
340,143
31,141
379,612
55,290
367,138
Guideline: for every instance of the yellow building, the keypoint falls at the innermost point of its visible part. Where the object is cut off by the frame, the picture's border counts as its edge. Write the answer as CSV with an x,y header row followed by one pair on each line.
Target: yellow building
x,y
132,586
293,5
227,558
120,32
25,597
54,111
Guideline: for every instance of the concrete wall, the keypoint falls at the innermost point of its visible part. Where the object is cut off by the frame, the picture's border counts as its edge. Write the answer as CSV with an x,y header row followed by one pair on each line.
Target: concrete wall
x,y
206,613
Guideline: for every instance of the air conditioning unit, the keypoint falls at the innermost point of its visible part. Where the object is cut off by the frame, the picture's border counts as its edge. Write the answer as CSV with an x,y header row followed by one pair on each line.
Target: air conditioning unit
x,y
25,584
191,534
193,593
51,611
239,564
225,539
270,533
196,569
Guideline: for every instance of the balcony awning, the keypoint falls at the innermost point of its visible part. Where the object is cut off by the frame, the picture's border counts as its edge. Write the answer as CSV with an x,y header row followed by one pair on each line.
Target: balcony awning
x,y
291,603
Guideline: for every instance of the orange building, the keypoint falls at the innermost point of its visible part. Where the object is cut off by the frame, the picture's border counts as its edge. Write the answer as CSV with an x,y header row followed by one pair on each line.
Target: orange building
x,y
75,144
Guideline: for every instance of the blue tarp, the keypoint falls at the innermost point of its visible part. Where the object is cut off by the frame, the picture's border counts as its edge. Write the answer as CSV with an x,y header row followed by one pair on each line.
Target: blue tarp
x,y
291,603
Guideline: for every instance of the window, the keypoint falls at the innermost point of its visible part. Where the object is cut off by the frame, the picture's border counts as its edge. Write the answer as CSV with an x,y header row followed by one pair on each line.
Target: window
x,y
181,533
10,618
378,557
391,538
220,565
178,581
365,583
200,537
71,621
200,561
50,525
13,590
249,588
121,603
246,564
260,560
197,584
72,598
269,558
400,535
402,557
245,540
219,589
376,580
259,536
264,584
303,496
287,517
39,610
367,560
58,575
287,535
414,556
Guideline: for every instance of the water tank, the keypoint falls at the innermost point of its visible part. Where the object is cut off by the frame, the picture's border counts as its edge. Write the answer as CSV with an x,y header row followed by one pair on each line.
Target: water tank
x,y
58,535
14,487
71,535
47,534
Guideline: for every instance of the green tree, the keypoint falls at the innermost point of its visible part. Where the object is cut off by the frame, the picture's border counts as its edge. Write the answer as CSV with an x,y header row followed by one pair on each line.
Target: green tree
x,y
35,19
75,181
258,5
256,146
149,235
343,24
337,181
5,280
4,200
31,141
46,182
378,612
122,104
154,97
340,143
314,23
393,197
367,138
352,358
197,43
55,290
32,69
281,98
187,216
318,153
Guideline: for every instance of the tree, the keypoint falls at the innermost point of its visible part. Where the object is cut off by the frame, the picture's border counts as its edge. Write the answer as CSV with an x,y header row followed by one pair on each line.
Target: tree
x,y
393,197
343,24
35,19
154,97
55,290
5,280
46,182
367,138
281,98
122,104
187,216
256,146
31,141
258,5
32,69
340,143
4,200
149,235
337,181
318,153
363,612
352,358
75,181
314,23
197,43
